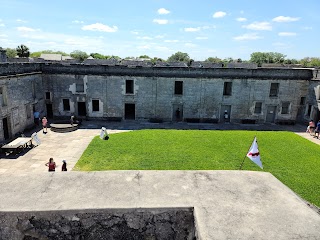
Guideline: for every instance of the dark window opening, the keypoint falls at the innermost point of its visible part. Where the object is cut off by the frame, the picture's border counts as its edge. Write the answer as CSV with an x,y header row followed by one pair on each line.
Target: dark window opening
x,y
66,104
309,110
227,89
130,111
285,108
274,90
48,95
302,100
178,87
129,86
258,108
95,105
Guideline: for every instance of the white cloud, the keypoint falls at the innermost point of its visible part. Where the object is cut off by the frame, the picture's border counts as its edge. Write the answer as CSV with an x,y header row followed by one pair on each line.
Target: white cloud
x,y
26,29
258,26
287,34
159,36
163,11
197,29
134,32
190,45
201,38
219,14
3,35
99,27
77,22
307,28
145,38
2,25
285,19
144,47
247,36
21,21
160,21
171,41
241,19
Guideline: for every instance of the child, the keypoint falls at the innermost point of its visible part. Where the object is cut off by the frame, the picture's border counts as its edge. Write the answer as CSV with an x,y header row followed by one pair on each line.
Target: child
x,y
64,166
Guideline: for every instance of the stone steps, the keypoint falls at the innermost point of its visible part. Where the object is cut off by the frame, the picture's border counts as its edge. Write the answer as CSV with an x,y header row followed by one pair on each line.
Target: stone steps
x,y
62,128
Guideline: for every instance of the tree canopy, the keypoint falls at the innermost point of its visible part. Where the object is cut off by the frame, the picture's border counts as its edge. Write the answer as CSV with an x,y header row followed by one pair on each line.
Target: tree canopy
x,y
23,51
11,52
38,54
179,57
77,54
267,57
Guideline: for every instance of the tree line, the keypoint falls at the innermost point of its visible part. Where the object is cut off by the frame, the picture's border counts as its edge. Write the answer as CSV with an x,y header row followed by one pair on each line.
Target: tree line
x,y
256,57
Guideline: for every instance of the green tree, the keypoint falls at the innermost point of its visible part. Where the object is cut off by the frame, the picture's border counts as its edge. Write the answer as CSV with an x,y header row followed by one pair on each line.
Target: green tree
x,y
23,51
213,60
77,54
11,52
267,57
179,57
97,56
310,62
145,56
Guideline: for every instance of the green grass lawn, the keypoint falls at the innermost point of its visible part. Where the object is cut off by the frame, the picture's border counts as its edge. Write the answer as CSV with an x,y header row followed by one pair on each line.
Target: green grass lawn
x,y
292,159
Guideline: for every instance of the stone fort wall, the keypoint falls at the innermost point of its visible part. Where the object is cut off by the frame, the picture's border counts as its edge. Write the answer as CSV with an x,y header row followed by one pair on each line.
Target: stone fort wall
x,y
155,93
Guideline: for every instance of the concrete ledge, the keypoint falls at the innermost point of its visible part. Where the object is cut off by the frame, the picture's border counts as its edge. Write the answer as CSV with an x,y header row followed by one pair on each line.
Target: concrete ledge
x,y
227,204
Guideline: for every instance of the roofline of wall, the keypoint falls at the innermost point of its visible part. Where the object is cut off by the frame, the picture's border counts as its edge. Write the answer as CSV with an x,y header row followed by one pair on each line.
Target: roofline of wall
x,y
168,72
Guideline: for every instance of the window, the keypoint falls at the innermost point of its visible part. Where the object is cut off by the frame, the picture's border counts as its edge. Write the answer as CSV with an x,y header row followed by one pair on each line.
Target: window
x,y
178,87
227,88
285,108
66,104
274,89
258,108
309,110
302,100
95,105
48,97
79,87
129,86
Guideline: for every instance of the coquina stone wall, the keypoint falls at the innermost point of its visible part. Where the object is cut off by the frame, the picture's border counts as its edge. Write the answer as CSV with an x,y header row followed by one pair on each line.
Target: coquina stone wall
x,y
111,224
100,91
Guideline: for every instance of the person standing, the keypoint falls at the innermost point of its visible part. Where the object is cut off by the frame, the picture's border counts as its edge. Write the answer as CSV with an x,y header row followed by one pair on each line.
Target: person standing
x,y
51,165
64,166
44,124
36,116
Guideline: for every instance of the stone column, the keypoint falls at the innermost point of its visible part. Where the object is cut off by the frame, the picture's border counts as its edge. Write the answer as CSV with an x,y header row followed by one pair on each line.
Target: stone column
x,y
3,56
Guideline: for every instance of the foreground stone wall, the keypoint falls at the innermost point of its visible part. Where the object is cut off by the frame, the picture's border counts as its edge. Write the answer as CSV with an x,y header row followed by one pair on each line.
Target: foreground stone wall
x,y
99,224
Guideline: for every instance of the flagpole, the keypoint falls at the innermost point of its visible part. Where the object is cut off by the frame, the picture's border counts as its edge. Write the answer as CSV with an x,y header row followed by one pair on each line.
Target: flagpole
x,y
246,155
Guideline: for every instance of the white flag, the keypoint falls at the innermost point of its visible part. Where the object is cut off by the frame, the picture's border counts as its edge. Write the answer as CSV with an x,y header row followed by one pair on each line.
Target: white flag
x,y
254,154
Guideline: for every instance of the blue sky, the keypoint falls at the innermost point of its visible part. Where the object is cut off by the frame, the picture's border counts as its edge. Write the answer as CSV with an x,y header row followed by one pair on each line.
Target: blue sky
x,y
159,28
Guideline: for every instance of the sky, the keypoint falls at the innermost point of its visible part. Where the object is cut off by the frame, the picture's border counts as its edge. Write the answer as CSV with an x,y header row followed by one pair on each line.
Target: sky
x,y
160,28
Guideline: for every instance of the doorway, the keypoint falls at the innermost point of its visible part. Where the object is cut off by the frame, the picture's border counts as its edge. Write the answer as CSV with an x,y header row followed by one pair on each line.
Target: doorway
x,y
6,132
271,114
82,110
225,113
130,111
177,112
49,110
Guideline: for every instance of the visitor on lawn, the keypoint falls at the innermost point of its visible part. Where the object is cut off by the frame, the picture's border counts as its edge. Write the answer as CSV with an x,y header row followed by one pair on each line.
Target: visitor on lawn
x,y
316,135
64,166
311,126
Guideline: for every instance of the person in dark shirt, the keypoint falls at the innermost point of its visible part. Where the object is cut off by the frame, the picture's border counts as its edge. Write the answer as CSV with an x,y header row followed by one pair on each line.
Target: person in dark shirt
x,y
64,166
316,135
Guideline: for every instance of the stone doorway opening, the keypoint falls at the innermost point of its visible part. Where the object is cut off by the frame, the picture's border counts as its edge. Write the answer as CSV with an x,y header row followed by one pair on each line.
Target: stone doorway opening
x,y
130,111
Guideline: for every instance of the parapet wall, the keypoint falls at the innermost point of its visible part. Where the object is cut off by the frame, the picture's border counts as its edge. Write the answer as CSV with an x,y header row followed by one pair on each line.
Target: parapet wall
x,y
182,72
99,224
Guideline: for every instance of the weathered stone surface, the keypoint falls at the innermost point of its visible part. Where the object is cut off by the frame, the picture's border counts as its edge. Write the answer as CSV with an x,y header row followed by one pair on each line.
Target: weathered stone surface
x,y
99,224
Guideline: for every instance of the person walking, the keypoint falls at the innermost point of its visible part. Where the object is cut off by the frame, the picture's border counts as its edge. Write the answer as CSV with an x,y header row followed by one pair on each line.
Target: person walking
x,y
51,165
44,124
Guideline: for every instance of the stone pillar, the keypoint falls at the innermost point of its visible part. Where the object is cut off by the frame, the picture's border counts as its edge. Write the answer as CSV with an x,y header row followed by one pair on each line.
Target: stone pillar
x,y
3,56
